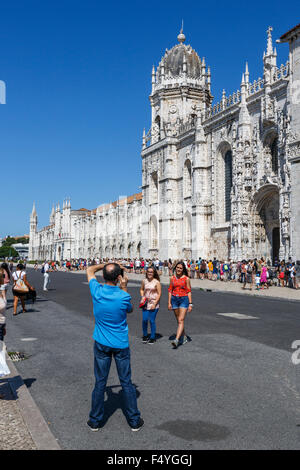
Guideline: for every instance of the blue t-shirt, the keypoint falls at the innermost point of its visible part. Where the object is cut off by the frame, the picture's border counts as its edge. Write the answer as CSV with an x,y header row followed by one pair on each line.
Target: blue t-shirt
x,y
111,305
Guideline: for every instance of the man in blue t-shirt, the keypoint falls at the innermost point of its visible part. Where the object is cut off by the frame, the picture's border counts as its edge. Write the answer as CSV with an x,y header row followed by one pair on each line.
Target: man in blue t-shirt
x,y
111,305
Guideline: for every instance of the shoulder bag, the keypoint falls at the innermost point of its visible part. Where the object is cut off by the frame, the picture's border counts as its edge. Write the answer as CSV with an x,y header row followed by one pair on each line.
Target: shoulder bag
x,y
20,285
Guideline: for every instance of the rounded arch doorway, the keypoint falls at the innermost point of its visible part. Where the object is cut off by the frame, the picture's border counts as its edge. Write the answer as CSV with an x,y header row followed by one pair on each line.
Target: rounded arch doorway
x,y
266,223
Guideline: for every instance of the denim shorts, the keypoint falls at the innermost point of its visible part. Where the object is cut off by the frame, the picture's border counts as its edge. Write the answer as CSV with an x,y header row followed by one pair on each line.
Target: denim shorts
x,y
180,302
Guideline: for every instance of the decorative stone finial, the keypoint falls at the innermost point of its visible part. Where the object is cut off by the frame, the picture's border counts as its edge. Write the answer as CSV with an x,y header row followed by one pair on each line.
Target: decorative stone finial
x,y
181,36
269,45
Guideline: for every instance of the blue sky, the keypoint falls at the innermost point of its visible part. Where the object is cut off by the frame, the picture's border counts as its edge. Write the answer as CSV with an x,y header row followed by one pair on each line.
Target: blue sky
x,y
78,77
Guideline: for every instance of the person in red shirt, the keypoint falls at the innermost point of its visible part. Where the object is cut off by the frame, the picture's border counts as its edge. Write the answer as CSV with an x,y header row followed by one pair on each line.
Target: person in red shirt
x,y
180,300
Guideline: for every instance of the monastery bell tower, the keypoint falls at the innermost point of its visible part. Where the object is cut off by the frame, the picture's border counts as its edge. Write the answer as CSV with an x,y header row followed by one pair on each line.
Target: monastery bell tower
x,y
179,99
180,87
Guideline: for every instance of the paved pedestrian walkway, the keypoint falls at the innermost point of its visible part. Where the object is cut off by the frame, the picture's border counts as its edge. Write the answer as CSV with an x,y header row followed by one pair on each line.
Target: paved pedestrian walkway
x,y
14,434
22,426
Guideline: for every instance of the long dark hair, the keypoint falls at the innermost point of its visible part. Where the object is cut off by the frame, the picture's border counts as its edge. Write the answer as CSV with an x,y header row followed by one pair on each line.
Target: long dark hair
x,y
5,267
184,272
155,273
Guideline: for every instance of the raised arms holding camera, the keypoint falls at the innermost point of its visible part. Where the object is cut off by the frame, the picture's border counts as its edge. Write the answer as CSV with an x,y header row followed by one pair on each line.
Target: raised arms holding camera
x,y
109,279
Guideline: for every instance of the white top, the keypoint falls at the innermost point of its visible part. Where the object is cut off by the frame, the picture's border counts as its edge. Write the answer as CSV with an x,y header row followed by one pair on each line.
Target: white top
x,y
18,275
46,267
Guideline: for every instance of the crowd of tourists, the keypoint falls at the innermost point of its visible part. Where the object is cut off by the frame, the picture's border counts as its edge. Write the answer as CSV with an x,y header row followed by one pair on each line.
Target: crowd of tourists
x,y
255,273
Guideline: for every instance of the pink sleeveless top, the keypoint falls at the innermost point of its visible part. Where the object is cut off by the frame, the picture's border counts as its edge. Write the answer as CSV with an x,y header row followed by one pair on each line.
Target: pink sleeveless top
x,y
151,294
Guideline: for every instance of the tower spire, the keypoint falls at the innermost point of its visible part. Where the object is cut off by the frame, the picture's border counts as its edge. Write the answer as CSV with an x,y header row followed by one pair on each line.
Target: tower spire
x,y
33,212
247,73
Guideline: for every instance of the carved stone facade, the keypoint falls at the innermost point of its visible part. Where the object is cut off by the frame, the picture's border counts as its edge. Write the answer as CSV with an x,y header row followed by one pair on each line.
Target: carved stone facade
x,y
223,173
217,180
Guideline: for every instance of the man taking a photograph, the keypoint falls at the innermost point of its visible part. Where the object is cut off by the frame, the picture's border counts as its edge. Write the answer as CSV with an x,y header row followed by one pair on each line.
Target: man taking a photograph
x,y
111,305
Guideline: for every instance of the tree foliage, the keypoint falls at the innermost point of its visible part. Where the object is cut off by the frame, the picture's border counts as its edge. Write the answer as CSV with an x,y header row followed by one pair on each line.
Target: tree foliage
x,y
11,241
8,251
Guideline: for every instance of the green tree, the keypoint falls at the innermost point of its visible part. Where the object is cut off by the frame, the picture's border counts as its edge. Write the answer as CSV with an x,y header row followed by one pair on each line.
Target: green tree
x,y
11,241
7,251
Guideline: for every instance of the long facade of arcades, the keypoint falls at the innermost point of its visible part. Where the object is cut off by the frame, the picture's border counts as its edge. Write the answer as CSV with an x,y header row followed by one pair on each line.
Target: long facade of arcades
x,y
217,180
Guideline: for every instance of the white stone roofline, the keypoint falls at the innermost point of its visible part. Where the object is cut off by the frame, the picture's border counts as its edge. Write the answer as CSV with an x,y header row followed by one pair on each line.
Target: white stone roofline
x,y
280,73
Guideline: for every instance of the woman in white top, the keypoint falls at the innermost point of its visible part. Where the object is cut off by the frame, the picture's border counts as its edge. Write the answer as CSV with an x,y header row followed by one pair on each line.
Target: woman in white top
x,y
151,292
20,274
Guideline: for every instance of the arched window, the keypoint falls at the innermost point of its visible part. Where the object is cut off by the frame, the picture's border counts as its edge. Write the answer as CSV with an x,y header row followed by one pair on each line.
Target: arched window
x,y
156,130
274,155
193,119
228,184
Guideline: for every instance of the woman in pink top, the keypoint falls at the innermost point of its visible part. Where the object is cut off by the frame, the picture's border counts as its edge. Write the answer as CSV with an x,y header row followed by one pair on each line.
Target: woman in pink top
x,y
151,292
263,277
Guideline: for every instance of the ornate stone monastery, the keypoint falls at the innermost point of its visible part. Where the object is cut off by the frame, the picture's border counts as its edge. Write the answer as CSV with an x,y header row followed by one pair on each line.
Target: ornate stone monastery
x,y
217,180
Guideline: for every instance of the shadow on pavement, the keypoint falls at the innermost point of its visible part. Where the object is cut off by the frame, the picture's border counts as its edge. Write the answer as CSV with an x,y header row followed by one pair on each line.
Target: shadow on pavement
x,y
29,382
114,402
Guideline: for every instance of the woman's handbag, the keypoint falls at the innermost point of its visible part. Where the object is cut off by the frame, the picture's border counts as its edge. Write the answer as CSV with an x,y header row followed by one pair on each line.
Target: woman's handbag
x,y
20,286
143,303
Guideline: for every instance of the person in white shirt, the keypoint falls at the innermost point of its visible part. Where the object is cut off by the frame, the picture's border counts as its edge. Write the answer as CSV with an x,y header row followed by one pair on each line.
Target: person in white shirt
x,y
18,276
46,275
137,266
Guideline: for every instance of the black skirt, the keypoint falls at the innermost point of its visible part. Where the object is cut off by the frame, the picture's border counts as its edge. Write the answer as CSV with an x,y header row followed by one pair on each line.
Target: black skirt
x,y
18,293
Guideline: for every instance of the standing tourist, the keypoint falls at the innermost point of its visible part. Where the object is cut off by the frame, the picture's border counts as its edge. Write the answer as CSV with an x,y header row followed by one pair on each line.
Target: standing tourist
x,y
166,268
203,269
243,268
45,271
180,300
257,281
249,272
6,279
221,271
215,269
263,277
226,271
192,269
170,266
150,293
281,274
2,320
293,275
2,309
210,269
111,305
19,288
297,274
138,266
